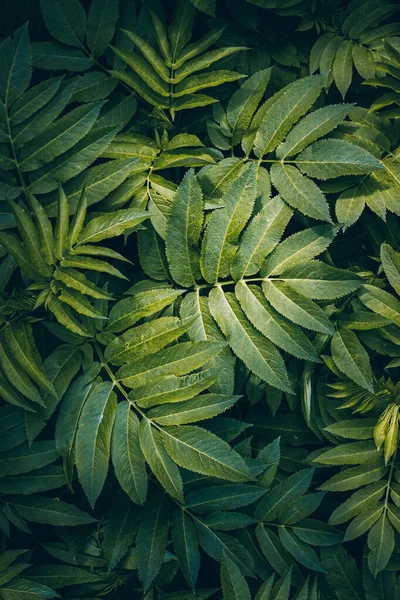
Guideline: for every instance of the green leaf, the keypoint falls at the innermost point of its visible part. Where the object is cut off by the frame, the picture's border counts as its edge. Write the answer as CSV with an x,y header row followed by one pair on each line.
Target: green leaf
x,y
300,551
22,589
111,225
351,358
198,450
285,335
318,281
102,18
127,457
40,480
160,463
359,501
204,327
258,354
145,339
312,127
343,66
66,20
200,408
179,359
151,539
300,192
380,302
342,573
24,458
391,264
225,224
59,137
223,497
183,231
234,585
93,439
353,429
284,110
15,58
119,529
173,390
299,247
296,307
381,545
243,103
40,509
186,546
353,453
363,522
180,30
283,494
130,310
260,237
328,159
349,479
60,576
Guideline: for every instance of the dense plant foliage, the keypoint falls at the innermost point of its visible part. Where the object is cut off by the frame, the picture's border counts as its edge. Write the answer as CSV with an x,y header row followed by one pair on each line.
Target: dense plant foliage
x,y
199,300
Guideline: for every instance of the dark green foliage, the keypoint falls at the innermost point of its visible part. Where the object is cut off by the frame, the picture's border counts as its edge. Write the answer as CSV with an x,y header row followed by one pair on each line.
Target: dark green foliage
x,y
199,300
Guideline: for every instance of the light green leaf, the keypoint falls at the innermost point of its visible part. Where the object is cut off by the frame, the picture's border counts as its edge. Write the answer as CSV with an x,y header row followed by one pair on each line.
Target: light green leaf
x,y
196,409
391,264
291,104
285,335
353,429
225,224
296,307
143,304
300,192
204,327
327,159
380,302
180,359
299,247
145,339
260,237
172,389
243,103
319,281
351,358
258,354
353,453
110,225
312,127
